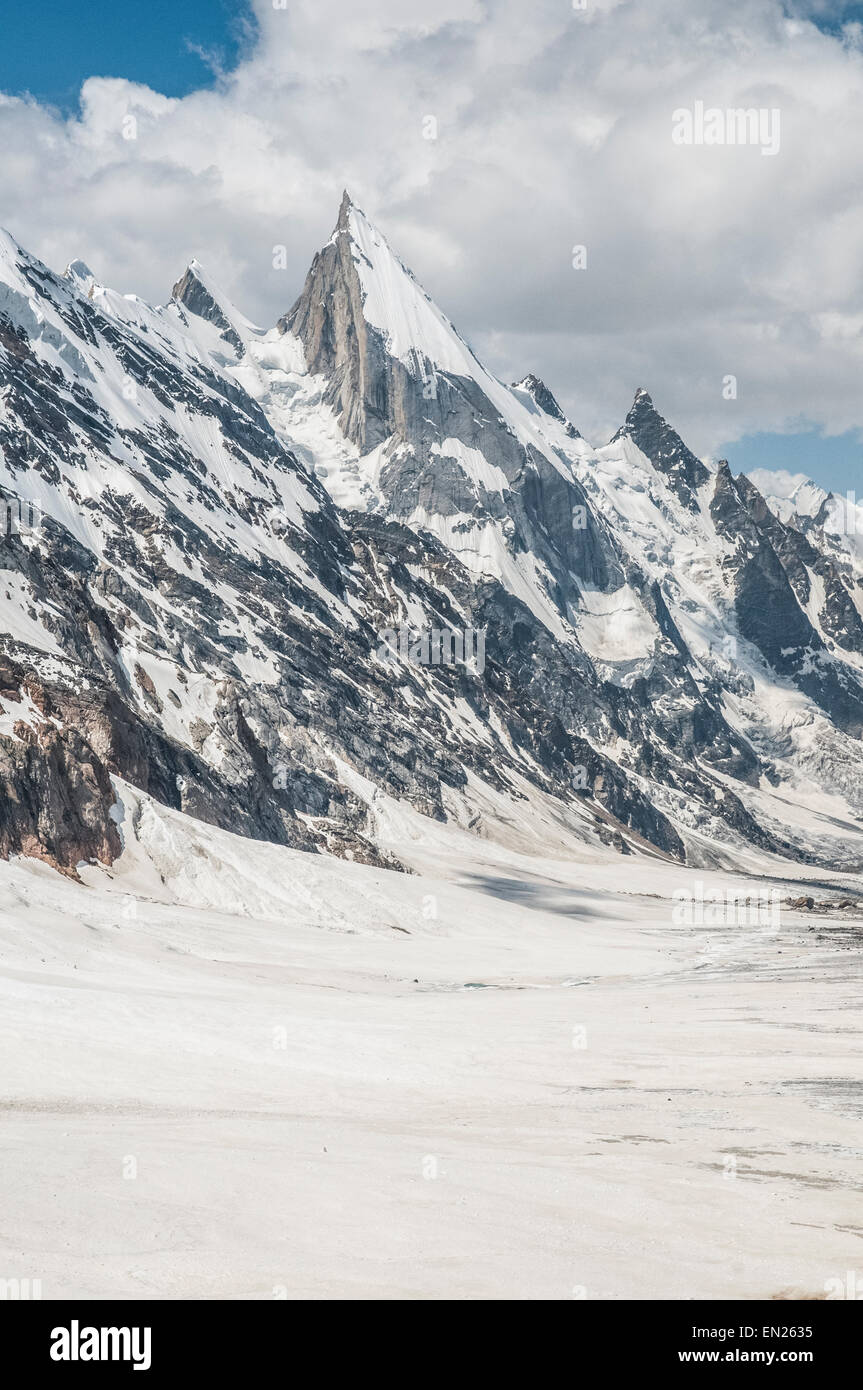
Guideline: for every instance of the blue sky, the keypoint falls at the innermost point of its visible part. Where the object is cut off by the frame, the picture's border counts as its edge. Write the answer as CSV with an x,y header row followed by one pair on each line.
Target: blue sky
x,y
829,15
836,462
49,47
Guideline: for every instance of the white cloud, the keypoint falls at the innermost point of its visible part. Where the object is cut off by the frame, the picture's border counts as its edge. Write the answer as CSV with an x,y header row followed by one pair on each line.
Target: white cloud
x,y
777,482
553,129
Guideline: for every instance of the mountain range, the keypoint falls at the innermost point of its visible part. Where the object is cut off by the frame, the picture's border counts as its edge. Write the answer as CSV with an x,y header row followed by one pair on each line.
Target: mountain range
x,y
236,559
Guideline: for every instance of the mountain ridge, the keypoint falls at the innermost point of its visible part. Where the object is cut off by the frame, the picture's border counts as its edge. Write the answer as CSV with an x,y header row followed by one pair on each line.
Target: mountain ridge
x,y
233,516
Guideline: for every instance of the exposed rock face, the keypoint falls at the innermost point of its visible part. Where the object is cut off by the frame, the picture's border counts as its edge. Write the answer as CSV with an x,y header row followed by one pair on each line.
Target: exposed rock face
x,y
57,794
367,395
838,617
545,401
665,449
769,610
414,408
195,614
191,292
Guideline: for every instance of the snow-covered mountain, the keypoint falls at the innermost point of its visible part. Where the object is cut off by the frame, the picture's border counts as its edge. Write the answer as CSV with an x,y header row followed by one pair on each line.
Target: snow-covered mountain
x,y
239,535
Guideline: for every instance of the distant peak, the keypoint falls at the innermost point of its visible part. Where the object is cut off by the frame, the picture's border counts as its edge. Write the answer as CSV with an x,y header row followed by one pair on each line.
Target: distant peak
x,y
344,212
78,270
642,406
81,277
9,247
662,445
642,412
537,387
545,401
193,286
180,290
196,293
195,271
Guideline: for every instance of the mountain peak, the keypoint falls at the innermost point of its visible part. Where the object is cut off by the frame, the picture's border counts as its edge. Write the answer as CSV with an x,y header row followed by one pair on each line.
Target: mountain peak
x,y
642,407
662,445
193,275
79,274
11,257
344,212
378,285
201,297
9,247
545,401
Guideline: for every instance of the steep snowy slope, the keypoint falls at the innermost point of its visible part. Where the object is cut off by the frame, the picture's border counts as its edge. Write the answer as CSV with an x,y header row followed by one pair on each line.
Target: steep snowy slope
x,y
768,620
832,525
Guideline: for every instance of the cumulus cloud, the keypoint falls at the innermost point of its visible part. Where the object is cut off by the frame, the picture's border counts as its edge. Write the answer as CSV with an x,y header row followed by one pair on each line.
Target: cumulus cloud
x,y
488,139
777,482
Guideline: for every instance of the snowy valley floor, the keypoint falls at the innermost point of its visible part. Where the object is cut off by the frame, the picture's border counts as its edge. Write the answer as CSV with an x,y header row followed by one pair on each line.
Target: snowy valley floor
x,y
497,1077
